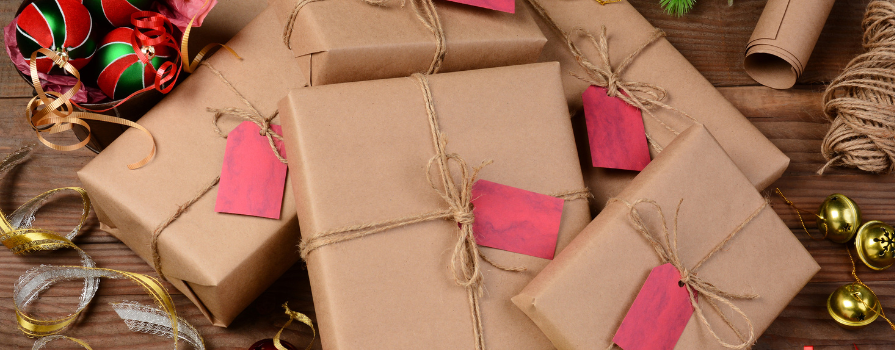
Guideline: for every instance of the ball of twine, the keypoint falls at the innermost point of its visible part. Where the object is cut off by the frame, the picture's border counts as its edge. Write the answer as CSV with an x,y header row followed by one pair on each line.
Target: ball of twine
x,y
861,101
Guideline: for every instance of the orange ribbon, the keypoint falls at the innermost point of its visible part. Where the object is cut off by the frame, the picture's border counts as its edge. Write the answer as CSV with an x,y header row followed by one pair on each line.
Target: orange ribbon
x,y
184,49
55,115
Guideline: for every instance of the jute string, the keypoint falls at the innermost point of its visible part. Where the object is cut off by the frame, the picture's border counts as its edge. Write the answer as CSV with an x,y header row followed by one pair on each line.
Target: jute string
x,y
644,96
860,102
424,9
458,197
667,251
252,115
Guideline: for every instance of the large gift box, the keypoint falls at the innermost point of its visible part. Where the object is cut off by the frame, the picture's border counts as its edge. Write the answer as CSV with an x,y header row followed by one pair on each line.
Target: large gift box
x,y
337,41
381,273
222,262
581,298
660,65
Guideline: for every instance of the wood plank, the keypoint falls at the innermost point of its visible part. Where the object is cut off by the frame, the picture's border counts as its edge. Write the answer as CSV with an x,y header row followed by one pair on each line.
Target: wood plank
x,y
714,36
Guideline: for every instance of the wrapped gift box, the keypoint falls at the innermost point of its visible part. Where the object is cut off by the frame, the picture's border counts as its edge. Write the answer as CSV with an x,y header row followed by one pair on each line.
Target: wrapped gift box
x,y
345,41
580,299
359,153
222,262
659,64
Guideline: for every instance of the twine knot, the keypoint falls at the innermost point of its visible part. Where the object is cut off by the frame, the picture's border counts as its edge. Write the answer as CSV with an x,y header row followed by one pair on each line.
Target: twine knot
x,y
667,251
255,117
464,217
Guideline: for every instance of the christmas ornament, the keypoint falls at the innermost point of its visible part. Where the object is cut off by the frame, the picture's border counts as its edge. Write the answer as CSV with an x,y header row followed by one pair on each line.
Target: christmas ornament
x,y
875,242
850,305
115,13
267,344
117,69
838,217
854,305
63,26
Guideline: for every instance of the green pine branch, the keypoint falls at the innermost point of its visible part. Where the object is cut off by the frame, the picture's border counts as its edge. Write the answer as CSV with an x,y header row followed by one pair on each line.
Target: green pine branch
x,y
681,7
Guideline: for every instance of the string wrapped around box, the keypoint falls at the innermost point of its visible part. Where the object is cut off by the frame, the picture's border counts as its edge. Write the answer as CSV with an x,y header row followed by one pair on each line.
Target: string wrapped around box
x,y
860,103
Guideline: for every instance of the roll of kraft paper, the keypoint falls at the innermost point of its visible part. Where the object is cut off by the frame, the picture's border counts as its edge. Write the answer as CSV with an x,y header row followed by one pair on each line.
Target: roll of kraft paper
x,y
783,40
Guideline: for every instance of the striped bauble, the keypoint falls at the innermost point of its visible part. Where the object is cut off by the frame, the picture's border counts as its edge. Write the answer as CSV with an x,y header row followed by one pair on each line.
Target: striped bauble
x,y
63,26
118,71
115,13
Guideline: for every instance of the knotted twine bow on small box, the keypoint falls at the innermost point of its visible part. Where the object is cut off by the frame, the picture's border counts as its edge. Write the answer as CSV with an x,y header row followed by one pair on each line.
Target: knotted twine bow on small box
x,y
644,96
667,251
458,197
17,234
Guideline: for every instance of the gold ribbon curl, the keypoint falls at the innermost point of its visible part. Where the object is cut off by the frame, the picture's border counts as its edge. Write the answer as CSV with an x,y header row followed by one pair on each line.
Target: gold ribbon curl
x,y
55,115
643,96
17,234
667,251
184,46
294,316
458,197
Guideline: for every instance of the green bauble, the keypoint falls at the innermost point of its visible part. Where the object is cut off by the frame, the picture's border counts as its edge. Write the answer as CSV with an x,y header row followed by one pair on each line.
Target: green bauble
x,y
118,71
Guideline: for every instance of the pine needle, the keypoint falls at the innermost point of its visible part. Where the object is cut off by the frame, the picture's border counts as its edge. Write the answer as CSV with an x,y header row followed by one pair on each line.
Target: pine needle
x,y
678,7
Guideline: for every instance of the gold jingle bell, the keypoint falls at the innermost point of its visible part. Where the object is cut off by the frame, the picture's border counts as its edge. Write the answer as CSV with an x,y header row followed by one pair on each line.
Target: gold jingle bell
x,y
847,308
839,217
876,244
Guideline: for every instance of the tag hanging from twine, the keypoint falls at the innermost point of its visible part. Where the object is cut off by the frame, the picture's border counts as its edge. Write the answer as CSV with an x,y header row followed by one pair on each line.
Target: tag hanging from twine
x,y
17,235
667,251
643,96
465,258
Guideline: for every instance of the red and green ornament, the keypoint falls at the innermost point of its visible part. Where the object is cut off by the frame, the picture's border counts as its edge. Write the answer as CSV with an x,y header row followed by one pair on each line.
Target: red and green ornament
x,y
63,26
117,68
115,13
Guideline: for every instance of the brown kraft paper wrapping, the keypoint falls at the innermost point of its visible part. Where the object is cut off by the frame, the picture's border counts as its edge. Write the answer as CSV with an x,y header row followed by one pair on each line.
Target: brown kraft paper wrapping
x,y
659,64
358,155
222,262
580,299
783,40
338,41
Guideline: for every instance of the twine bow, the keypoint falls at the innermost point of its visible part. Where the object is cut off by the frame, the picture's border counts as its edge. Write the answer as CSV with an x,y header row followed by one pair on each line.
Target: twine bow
x,y
255,117
458,197
424,9
17,234
644,96
667,251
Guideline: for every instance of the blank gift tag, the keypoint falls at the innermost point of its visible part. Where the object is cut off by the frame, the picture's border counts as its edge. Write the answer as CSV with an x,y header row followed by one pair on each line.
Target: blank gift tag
x,y
499,5
615,131
515,220
253,179
659,314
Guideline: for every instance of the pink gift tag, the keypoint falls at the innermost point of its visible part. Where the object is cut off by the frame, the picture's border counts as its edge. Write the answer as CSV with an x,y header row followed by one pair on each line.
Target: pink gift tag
x,y
615,130
499,5
515,220
659,314
253,179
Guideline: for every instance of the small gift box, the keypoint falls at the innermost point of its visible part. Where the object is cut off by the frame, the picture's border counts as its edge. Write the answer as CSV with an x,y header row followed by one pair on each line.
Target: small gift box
x,y
690,208
356,40
645,65
382,188
165,211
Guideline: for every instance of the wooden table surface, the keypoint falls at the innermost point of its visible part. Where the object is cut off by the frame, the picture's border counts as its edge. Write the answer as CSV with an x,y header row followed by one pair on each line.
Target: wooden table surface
x,y
712,37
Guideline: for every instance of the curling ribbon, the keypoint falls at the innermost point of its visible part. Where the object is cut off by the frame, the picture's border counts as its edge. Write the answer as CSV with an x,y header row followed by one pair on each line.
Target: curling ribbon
x,y
184,51
17,234
294,316
56,115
